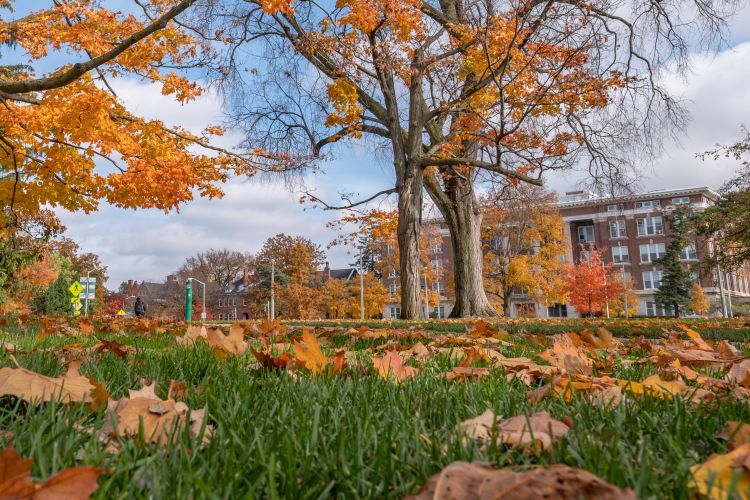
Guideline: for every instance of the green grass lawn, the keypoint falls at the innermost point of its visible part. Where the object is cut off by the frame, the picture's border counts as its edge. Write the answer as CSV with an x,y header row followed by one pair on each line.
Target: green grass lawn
x,y
347,436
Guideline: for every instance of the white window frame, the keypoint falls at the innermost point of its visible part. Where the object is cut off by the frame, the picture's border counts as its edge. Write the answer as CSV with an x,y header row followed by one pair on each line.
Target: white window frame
x,y
619,226
437,263
393,288
653,251
649,226
685,253
618,207
583,234
437,248
682,200
394,312
649,280
653,309
648,204
620,255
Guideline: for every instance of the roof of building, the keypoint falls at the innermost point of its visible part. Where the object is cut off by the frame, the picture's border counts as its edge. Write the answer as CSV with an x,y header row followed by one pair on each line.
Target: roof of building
x,y
585,197
343,274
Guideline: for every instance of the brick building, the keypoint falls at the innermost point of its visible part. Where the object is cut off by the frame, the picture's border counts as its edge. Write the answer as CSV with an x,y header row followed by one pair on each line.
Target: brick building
x,y
441,260
163,300
632,231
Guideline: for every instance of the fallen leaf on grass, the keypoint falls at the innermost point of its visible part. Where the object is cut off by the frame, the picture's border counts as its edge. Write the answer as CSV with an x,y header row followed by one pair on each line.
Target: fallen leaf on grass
x,y
116,348
539,428
696,337
69,484
728,351
269,328
159,418
739,373
565,355
226,345
599,339
267,360
714,477
481,329
33,387
417,351
464,480
391,366
737,433
192,335
308,353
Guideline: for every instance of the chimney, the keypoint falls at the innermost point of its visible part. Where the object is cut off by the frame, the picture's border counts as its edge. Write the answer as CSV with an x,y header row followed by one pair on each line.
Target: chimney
x,y
327,270
245,276
172,278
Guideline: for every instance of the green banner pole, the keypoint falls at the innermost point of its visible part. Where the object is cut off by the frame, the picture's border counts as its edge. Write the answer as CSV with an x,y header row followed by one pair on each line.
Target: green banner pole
x,y
189,300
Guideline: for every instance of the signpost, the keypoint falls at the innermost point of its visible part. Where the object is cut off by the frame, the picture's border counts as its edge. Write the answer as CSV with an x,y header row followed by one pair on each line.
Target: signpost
x,y
89,290
75,290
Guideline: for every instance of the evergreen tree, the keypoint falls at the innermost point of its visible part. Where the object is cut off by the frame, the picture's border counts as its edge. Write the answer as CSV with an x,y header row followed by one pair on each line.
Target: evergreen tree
x,y
676,281
56,298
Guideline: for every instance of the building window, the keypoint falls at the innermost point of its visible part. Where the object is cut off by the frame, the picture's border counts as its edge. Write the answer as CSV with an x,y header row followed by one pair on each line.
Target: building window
x,y
437,248
392,288
437,263
585,234
557,311
244,302
650,225
651,280
647,204
689,253
616,228
652,309
437,286
392,273
389,249
614,208
394,312
438,312
620,255
652,251
683,200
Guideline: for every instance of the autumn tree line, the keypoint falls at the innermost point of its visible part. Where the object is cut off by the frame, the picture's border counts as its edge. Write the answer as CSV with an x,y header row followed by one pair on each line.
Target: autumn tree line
x,y
460,95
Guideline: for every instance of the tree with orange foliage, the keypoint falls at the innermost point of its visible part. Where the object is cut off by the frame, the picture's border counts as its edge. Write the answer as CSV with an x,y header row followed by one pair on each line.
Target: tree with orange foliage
x,y
522,235
298,260
591,283
67,140
454,91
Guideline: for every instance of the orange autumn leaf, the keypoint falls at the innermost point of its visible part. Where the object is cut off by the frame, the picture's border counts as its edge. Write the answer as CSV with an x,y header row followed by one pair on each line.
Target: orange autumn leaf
x,y
696,337
225,345
391,367
75,483
308,353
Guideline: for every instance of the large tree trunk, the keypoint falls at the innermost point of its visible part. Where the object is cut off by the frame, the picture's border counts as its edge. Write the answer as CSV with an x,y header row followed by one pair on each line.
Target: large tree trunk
x,y
408,231
463,216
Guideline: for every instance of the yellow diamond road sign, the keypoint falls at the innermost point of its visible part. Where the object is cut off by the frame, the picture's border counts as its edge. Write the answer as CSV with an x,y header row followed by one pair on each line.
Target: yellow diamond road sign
x,y
77,306
75,289
74,300
121,313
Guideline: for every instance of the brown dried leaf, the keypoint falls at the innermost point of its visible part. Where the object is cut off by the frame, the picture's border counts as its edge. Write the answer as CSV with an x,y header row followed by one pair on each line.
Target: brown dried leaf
x,y
192,335
565,355
232,344
464,480
600,339
737,433
33,387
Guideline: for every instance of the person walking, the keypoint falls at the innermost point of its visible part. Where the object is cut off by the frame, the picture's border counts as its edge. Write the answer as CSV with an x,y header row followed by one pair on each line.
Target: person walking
x,y
139,308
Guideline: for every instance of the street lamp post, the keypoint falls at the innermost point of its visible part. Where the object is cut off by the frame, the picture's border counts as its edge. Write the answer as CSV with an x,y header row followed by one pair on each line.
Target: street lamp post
x,y
203,309
361,288
272,312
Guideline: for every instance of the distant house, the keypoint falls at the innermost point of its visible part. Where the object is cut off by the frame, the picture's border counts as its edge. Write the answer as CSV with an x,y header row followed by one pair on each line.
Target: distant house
x,y
346,274
163,300
231,303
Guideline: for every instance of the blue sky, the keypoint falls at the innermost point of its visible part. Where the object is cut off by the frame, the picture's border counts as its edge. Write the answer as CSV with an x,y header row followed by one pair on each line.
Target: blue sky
x,y
149,244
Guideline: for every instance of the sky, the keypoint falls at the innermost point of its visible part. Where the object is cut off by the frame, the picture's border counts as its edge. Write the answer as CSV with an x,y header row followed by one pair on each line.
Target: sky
x,y
149,244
